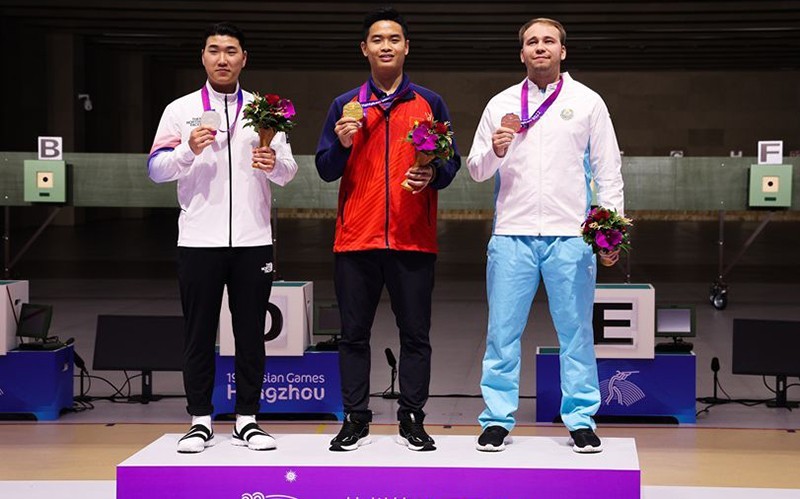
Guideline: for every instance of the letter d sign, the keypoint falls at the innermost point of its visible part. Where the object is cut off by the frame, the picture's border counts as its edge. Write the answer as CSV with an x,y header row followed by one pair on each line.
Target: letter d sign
x,y
50,147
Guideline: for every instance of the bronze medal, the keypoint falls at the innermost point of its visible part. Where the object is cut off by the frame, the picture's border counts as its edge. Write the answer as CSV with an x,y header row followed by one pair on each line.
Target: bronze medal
x,y
511,121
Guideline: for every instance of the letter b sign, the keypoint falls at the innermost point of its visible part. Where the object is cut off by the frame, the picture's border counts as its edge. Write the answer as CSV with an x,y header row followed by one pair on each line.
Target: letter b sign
x,y
50,147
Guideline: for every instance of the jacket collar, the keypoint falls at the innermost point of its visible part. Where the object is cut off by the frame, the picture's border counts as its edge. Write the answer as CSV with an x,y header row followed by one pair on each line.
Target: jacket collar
x,y
218,96
404,84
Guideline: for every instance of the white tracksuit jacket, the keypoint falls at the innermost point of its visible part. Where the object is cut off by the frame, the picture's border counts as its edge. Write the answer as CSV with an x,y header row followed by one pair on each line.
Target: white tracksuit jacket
x,y
224,201
542,183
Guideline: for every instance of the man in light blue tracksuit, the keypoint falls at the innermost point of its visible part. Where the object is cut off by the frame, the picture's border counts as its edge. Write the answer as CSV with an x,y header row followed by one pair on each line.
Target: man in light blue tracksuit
x,y
543,140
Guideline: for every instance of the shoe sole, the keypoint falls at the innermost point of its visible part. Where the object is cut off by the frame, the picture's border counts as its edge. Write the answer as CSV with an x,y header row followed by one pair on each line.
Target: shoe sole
x,y
490,447
424,448
345,448
208,443
589,449
243,443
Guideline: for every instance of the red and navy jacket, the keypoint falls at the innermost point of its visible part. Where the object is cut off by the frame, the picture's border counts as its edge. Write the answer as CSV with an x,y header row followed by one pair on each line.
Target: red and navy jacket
x,y
374,211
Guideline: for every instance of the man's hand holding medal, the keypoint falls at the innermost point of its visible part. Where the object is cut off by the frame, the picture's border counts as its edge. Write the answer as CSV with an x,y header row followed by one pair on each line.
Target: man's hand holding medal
x,y
510,125
349,123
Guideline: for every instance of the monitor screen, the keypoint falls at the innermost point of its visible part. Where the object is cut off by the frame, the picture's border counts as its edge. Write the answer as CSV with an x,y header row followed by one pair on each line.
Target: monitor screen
x,y
766,347
34,320
139,343
675,321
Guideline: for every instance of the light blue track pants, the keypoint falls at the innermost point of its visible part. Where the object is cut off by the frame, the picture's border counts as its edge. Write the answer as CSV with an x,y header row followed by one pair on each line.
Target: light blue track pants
x,y
569,270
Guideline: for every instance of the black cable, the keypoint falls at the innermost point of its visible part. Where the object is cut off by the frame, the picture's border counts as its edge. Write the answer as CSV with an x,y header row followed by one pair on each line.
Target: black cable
x,y
764,380
730,400
117,397
117,391
719,385
128,379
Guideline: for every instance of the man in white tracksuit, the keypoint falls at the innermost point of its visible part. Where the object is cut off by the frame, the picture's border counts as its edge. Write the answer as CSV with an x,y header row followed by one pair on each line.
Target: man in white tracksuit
x,y
225,237
543,141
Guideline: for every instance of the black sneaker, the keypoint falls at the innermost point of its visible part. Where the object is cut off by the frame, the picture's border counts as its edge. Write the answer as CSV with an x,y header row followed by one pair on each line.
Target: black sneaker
x,y
354,433
585,441
493,439
413,434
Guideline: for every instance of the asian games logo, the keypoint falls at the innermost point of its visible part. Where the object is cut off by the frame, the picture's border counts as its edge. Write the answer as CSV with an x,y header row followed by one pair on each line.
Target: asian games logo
x,y
259,495
618,389
290,476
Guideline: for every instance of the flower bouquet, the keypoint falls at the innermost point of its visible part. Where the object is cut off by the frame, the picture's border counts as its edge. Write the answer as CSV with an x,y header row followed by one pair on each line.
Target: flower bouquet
x,y
606,230
431,139
268,115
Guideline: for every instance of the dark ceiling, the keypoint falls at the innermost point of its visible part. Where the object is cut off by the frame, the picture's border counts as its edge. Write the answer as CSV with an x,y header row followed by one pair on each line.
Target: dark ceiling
x,y
452,35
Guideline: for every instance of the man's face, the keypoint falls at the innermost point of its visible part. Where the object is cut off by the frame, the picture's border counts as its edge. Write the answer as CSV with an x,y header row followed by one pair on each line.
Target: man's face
x,y
223,59
541,48
385,47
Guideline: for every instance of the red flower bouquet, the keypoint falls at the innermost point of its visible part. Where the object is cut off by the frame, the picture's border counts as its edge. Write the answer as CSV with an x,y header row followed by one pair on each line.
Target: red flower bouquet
x,y
269,114
606,230
431,139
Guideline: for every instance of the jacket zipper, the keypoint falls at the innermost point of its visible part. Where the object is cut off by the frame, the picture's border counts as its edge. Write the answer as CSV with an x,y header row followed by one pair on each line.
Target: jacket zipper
x,y
537,130
230,177
386,175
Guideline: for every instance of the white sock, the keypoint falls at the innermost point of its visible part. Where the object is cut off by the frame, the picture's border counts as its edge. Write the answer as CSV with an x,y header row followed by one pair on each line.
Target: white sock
x,y
243,420
196,443
203,420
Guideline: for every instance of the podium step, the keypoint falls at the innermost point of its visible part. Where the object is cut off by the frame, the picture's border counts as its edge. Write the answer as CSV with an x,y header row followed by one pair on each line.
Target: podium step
x,y
303,467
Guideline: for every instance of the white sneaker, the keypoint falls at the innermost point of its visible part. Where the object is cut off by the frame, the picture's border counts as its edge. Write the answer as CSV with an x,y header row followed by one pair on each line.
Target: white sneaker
x,y
196,440
253,437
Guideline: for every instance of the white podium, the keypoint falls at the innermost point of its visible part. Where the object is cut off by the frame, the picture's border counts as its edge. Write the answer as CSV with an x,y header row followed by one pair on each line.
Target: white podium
x,y
303,467
292,305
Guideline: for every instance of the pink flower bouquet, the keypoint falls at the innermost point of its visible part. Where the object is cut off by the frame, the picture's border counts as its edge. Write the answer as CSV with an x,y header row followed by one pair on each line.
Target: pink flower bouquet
x,y
606,230
431,139
269,114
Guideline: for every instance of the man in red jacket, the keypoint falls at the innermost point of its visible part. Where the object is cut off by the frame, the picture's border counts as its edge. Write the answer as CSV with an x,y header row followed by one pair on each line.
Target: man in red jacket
x,y
385,235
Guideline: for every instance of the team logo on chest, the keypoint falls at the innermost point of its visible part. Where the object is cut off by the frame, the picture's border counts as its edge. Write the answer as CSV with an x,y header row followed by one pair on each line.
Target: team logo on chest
x,y
567,114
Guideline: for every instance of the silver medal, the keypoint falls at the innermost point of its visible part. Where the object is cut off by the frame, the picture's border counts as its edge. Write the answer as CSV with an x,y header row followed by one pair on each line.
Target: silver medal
x,y
211,119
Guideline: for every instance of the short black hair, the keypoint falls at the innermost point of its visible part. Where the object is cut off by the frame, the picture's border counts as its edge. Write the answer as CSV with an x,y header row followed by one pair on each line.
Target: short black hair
x,y
225,29
384,14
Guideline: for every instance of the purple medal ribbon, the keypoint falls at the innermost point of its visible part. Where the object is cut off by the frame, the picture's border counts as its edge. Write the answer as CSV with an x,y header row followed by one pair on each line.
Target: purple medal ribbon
x,y
385,103
239,102
529,122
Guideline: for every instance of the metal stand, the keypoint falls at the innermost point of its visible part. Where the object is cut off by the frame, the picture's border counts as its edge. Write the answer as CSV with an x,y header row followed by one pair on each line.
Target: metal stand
x,y
781,399
718,294
147,390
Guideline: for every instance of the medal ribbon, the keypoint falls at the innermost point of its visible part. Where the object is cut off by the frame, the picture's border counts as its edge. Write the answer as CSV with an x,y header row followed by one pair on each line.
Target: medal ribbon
x,y
239,101
529,122
385,103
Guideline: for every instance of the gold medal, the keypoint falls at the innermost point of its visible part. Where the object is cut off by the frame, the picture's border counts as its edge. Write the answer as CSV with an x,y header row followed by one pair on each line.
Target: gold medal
x,y
353,110
511,121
